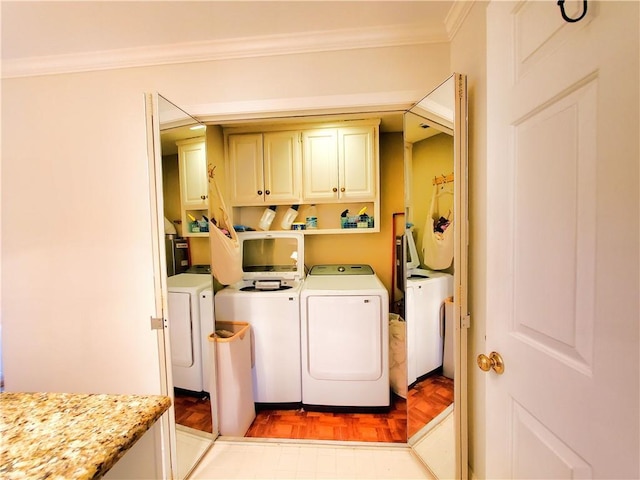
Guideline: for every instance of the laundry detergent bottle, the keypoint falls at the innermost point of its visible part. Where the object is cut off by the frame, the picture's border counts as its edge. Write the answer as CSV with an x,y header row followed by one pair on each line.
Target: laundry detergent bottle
x,y
267,217
289,217
312,218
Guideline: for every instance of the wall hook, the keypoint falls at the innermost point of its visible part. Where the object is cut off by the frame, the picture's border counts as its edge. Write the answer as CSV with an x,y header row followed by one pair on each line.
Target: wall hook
x,y
569,19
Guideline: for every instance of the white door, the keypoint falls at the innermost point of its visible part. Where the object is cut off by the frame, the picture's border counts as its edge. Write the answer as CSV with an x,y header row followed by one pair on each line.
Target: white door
x,y
562,220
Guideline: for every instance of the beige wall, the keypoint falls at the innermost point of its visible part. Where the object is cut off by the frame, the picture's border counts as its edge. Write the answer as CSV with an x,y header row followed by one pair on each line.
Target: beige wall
x,y
77,296
468,56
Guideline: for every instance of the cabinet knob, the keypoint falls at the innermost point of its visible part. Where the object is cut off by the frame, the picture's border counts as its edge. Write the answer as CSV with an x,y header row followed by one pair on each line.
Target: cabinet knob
x,y
203,197
268,192
342,189
259,192
335,189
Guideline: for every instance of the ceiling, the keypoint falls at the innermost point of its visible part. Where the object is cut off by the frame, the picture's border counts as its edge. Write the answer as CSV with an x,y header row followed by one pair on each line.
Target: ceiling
x,y
64,36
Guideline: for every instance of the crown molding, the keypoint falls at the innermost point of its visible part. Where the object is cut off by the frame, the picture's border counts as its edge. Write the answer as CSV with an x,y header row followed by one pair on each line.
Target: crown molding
x,y
221,112
289,44
455,18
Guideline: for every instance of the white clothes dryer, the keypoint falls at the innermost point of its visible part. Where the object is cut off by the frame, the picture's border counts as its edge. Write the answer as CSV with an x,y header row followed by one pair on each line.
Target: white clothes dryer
x,y
188,331
345,338
268,298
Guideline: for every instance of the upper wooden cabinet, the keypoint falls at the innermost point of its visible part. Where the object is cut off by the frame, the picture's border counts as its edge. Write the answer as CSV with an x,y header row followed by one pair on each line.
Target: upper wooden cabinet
x,y
194,195
192,168
331,168
340,164
265,168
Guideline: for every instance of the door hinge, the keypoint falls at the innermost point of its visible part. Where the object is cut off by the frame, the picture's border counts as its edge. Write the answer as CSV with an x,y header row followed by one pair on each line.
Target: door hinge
x,y
465,321
157,323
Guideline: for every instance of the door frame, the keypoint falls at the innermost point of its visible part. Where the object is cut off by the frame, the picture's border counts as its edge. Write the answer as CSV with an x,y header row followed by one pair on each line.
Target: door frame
x,y
318,106
167,421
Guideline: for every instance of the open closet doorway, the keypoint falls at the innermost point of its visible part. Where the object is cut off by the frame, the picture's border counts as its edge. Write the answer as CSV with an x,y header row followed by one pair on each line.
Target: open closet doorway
x,y
320,251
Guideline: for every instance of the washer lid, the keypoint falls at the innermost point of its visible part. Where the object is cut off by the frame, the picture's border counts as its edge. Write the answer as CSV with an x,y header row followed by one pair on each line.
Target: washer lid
x,y
272,255
341,269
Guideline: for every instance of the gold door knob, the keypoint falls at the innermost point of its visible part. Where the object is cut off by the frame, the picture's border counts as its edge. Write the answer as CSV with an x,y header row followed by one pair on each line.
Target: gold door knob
x,y
494,360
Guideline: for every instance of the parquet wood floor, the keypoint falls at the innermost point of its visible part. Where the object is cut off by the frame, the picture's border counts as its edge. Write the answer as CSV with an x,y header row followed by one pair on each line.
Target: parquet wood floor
x,y
193,411
426,400
363,427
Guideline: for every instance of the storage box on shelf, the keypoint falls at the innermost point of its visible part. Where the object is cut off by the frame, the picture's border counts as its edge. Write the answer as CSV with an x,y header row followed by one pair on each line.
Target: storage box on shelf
x,y
329,218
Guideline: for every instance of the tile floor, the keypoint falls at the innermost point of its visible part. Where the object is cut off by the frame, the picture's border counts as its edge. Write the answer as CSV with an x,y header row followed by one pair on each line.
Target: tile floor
x,y
437,447
271,459
190,445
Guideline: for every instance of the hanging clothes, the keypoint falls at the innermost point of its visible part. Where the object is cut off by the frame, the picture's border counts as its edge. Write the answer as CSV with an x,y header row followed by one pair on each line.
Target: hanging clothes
x,y
437,239
226,259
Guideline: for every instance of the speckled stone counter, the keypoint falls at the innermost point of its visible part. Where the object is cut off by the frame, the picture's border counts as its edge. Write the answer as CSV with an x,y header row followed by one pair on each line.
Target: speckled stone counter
x,y
71,436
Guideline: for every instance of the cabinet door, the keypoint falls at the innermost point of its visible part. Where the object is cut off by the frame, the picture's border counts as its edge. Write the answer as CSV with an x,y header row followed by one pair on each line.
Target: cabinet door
x,y
193,174
245,167
282,167
320,165
357,164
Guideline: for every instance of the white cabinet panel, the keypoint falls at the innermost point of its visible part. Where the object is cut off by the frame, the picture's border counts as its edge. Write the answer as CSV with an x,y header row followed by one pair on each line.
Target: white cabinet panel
x,y
357,164
193,173
265,168
340,165
194,185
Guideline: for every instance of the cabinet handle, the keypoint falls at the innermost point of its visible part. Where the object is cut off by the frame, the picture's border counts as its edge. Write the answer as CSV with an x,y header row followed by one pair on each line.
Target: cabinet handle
x,y
203,197
342,189
259,192
268,192
335,189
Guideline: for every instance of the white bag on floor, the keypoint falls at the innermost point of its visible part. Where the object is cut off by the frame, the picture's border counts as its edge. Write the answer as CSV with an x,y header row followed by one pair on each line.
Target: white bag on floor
x,y
398,355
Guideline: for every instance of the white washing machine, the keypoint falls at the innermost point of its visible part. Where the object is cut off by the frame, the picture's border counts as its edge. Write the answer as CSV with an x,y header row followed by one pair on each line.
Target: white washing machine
x,y
345,338
188,330
425,295
268,298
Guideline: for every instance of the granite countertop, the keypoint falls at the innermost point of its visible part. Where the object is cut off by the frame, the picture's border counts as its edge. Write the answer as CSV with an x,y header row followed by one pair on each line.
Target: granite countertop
x,y
71,436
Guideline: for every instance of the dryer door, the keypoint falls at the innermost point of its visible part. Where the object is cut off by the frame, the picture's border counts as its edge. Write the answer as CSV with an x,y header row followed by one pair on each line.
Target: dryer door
x,y
344,337
180,329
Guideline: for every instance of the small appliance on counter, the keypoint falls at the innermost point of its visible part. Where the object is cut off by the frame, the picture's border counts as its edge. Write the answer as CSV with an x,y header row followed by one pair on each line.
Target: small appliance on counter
x,y
177,250
177,254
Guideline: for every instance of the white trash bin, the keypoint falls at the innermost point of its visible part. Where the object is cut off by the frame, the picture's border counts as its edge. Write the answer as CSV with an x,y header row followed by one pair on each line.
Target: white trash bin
x,y
236,410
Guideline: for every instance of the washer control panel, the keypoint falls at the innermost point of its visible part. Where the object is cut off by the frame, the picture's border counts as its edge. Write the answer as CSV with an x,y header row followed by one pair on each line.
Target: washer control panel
x,y
341,269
